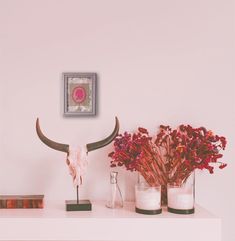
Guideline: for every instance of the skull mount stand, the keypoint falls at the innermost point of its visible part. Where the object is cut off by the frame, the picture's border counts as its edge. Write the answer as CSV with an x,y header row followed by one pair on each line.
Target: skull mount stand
x,y
78,205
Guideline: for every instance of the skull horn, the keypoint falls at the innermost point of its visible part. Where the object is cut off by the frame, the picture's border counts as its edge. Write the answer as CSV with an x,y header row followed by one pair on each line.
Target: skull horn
x,y
96,145
50,143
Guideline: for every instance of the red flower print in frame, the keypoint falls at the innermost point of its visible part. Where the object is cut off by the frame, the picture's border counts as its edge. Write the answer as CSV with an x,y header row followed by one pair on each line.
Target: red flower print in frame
x,y
79,94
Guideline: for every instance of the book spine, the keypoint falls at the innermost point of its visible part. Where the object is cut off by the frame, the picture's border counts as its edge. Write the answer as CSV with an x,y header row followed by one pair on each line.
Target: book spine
x,y
21,203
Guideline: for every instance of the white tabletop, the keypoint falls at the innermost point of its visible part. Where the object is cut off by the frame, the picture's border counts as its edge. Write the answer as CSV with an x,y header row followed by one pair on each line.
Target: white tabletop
x,y
54,223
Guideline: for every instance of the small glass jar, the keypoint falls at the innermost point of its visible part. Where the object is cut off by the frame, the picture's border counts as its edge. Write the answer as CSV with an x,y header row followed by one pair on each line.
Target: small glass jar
x,y
181,198
147,199
115,199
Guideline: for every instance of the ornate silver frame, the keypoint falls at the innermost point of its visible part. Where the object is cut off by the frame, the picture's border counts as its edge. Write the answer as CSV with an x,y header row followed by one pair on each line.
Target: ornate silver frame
x,y
92,81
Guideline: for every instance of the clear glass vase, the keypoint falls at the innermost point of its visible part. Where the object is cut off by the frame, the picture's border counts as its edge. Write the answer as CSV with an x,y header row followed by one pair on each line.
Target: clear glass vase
x,y
181,196
142,180
147,198
115,199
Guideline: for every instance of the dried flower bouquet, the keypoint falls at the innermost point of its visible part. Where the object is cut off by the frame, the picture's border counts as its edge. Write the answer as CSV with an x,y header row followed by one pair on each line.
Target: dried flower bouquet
x,y
171,156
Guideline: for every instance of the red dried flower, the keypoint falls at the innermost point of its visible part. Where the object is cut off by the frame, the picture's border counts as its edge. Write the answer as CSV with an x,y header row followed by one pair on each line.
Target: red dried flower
x,y
143,130
173,156
223,165
137,152
189,148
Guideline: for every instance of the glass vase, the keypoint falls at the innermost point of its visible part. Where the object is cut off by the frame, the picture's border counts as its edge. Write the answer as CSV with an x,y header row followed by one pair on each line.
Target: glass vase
x,y
147,198
181,196
142,180
115,199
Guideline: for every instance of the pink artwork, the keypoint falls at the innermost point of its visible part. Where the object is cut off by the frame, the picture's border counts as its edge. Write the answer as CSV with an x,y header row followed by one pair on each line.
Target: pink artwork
x,y
79,94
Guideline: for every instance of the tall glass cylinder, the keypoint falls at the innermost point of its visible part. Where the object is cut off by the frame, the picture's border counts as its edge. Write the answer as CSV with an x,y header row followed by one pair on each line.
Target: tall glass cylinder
x,y
115,199
147,198
181,196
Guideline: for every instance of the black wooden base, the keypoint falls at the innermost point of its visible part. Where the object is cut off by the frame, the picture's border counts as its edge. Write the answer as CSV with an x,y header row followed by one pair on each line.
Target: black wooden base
x,y
148,212
82,205
181,211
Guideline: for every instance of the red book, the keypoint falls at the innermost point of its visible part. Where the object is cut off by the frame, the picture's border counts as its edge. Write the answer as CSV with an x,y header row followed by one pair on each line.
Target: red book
x,y
21,201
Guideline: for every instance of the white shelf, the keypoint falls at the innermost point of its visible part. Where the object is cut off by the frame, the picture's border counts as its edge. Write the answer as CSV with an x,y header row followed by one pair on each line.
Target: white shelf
x,y
54,223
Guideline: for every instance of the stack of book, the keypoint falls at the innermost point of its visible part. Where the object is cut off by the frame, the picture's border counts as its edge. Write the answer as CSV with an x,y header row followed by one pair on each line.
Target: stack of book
x,y
21,201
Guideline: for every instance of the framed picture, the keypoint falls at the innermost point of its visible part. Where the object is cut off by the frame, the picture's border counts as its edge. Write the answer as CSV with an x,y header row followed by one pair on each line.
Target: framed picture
x,y
79,94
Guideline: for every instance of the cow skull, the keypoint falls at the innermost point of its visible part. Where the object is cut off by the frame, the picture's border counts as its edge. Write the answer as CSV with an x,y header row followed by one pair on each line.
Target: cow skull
x,y
76,165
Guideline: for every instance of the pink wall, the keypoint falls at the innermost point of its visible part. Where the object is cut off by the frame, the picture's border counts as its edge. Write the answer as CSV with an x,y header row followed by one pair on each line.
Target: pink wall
x,y
158,62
